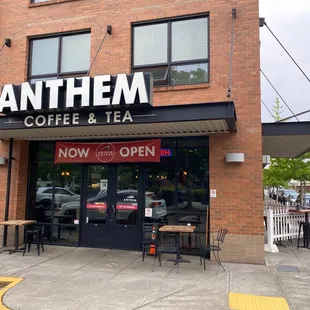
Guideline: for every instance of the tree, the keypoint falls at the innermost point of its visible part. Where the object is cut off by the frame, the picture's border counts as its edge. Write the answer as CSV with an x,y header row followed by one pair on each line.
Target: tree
x,y
275,175
277,109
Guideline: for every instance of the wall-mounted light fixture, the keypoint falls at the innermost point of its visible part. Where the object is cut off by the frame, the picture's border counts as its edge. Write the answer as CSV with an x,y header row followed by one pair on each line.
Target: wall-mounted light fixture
x,y
7,42
3,161
266,160
235,157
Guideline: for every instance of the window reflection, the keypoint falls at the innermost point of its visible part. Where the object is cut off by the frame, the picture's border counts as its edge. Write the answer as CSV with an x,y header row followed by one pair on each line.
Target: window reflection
x,y
160,185
54,194
127,195
97,193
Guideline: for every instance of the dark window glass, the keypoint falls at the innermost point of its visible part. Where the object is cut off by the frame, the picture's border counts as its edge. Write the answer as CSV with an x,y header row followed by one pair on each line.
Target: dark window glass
x,y
193,190
46,151
184,59
57,56
96,206
127,194
54,195
160,186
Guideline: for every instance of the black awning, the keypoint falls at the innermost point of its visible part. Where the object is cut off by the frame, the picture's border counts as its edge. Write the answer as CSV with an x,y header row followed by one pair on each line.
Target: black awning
x,y
173,120
283,139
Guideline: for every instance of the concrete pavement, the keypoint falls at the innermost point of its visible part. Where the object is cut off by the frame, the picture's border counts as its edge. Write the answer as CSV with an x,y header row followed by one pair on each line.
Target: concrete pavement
x,y
79,278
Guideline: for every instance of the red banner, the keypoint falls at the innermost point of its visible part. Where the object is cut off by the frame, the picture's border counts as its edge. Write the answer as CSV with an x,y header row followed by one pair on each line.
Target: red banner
x,y
108,152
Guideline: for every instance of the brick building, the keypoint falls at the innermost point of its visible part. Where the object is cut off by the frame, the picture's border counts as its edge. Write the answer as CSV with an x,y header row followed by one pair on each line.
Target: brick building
x,y
186,45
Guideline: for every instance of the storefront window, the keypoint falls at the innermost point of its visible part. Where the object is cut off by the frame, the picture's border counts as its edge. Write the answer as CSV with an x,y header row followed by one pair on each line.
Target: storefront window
x,y
160,185
193,190
127,194
54,195
176,192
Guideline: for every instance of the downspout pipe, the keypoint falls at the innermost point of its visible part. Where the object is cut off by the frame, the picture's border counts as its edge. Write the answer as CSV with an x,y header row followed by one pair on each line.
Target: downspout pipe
x,y
8,190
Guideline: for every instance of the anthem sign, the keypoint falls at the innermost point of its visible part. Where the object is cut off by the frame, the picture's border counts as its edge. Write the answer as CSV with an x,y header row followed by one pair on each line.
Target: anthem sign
x,y
71,94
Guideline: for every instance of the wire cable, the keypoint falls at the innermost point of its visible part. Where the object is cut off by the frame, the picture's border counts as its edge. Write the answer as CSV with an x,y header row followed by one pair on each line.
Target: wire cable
x,y
231,52
305,75
2,47
97,53
298,114
279,94
268,109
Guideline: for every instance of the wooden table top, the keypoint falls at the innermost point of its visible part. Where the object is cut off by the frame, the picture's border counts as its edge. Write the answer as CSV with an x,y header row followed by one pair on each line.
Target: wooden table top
x,y
18,222
178,228
300,211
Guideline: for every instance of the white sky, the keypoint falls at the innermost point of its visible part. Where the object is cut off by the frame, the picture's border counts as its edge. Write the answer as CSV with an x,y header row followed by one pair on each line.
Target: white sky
x,y
290,22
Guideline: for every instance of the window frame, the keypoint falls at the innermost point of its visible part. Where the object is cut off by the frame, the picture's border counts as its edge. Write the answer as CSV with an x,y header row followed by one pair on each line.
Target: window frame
x,y
170,63
58,74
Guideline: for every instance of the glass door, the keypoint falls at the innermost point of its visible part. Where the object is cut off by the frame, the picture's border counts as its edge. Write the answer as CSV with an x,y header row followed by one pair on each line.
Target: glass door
x,y
113,205
130,202
97,208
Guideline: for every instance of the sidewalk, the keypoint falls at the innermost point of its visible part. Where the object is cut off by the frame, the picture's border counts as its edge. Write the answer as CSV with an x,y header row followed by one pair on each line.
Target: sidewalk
x,y
94,279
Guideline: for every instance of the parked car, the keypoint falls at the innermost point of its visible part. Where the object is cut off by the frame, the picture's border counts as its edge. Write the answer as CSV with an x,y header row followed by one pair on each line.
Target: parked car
x,y
306,199
285,194
44,196
127,202
293,198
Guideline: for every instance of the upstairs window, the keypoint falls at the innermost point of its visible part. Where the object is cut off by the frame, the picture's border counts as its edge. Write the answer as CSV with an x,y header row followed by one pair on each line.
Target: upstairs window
x,y
176,52
59,56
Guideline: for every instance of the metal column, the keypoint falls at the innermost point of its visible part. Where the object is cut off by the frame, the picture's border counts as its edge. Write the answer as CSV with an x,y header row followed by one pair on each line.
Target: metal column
x,y
8,190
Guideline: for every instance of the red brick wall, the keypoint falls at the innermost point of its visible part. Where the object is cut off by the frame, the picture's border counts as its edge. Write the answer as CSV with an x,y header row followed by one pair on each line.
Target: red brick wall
x,y
238,205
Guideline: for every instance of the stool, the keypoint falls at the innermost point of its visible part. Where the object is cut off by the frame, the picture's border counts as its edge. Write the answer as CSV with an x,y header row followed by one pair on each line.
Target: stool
x,y
37,232
306,230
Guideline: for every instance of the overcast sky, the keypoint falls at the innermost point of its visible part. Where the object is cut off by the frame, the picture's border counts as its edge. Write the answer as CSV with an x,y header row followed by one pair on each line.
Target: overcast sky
x,y
290,22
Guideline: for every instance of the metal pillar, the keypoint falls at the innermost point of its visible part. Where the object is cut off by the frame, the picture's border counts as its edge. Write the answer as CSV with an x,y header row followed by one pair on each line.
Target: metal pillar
x,y
8,190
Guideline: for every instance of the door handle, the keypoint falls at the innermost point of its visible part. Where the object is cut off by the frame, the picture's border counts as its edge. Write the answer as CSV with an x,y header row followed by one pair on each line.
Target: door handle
x,y
114,210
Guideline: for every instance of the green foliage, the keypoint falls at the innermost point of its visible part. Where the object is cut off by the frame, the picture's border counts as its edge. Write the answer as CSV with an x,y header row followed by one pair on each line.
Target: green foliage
x,y
277,109
282,170
275,175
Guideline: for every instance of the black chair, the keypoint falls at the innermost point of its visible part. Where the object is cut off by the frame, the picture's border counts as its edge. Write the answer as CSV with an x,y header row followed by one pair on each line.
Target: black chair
x,y
149,230
169,243
218,238
42,219
31,233
306,234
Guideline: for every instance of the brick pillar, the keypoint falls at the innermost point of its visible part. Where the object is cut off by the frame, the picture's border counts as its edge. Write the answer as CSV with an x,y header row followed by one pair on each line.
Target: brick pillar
x,y
18,193
238,206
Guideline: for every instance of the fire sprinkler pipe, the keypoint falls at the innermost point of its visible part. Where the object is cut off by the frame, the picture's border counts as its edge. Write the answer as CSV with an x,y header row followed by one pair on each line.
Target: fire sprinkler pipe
x,y
8,190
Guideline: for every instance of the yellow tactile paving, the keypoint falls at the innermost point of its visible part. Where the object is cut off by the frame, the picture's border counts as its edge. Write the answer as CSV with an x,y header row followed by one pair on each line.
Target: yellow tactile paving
x,y
253,302
11,282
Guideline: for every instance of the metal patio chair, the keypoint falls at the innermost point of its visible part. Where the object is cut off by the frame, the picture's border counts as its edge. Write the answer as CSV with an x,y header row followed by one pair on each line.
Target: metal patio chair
x,y
150,238
218,238
169,243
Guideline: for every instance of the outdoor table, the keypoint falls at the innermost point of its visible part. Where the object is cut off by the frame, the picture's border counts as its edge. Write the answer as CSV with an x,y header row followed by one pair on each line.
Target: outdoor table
x,y
17,223
178,229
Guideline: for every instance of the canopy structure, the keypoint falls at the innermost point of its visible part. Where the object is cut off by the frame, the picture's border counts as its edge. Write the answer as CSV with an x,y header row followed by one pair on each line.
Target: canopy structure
x,y
164,121
286,139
